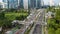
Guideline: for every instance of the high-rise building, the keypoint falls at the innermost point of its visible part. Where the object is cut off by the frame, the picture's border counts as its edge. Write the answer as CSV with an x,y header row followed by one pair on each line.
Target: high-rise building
x,y
42,3
32,3
21,4
38,3
5,1
15,3
35,3
25,2
12,4
29,4
3,4
18,3
9,4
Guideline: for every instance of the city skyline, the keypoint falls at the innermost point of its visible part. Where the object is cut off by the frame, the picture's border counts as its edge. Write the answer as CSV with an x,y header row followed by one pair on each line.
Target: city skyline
x,y
22,3
46,1
27,3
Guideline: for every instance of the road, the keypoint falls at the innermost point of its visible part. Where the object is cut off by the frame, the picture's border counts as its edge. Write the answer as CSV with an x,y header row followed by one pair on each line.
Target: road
x,y
30,19
39,23
35,16
37,29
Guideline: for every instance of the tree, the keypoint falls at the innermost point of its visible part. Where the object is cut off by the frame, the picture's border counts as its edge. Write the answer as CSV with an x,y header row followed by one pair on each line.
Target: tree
x,y
6,23
51,31
58,31
2,15
58,15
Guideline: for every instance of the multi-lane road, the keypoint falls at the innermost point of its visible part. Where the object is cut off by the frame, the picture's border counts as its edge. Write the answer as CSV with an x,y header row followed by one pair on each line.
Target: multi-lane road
x,y
36,16
39,23
30,19
37,29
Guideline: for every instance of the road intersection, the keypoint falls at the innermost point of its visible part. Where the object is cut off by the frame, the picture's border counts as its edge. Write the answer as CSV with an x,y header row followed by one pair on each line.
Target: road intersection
x,y
36,17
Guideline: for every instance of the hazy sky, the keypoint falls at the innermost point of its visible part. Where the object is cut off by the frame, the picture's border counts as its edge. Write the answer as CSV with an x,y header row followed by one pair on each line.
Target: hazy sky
x,y
45,1
56,1
0,0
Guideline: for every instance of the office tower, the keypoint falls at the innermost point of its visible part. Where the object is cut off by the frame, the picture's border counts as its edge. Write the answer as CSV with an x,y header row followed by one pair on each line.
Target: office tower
x,y
35,3
15,4
29,4
12,4
42,3
0,5
21,4
38,3
25,2
4,2
18,3
32,3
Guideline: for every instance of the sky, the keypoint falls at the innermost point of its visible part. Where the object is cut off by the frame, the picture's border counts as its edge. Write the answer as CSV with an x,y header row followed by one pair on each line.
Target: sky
x,y
46,1
0,0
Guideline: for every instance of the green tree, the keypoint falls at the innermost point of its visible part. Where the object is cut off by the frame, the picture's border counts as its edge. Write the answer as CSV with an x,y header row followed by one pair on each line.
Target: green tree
x,y
51,31
2,15
6,23
58,31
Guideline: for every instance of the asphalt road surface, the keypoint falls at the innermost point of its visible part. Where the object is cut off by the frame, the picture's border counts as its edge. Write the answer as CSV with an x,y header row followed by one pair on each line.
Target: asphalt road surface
x,y
39,21
38,29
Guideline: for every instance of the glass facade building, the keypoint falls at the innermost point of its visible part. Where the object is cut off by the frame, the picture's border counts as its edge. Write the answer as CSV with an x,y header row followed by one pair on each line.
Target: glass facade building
x,y
29,4
5,3
12,3
32,3
15,3
21,4
1,6
38,3
35,3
